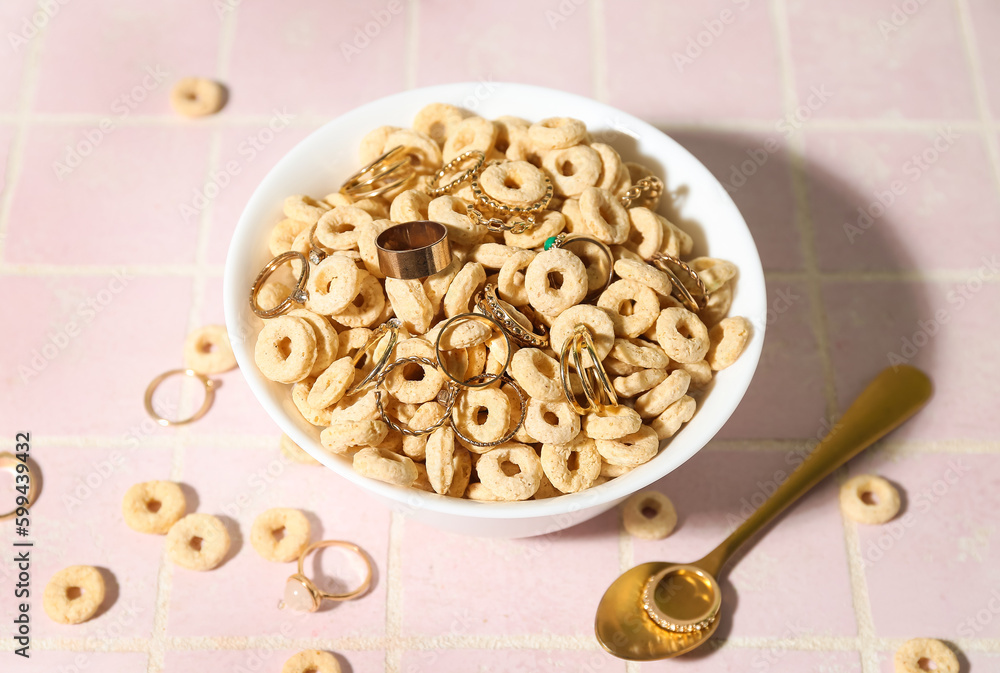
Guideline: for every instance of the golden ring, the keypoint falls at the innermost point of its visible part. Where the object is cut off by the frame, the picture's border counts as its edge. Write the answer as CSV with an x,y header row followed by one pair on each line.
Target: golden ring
x,y
493,322
208,383
597,388
449,401
389,171
299,294
413,250
8,461
432,187
694,304
390,326
489,303
563,241
302,594
523,396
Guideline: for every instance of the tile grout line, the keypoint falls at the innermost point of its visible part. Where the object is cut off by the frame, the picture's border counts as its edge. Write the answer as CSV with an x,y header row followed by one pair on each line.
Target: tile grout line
x,y
598,52
412,46
859,587
394,596
15,158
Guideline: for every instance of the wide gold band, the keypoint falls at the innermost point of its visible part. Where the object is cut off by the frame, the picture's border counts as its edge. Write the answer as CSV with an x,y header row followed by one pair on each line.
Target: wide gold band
x,y
413,250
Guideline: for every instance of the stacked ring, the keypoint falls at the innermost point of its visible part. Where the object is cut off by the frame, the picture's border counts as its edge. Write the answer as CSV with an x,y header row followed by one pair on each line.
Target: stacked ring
x,y
523,396
597,387
299,293
694,304
432,187
391,170
390,327
448,406
563,241
489,303
473,382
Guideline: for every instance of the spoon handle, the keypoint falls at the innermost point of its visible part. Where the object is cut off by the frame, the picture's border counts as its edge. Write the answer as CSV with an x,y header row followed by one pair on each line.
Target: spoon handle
x,y
891,398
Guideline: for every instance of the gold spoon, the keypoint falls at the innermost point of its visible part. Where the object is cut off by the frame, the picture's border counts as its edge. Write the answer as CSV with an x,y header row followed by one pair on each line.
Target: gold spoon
x,y
684,599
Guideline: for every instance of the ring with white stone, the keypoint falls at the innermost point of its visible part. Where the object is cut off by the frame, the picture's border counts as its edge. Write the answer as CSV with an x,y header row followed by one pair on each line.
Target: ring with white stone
x,y
302,594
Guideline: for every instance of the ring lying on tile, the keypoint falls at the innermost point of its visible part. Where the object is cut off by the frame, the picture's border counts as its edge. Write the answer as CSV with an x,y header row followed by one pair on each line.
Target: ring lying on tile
x,y
391,328
564,241
10,462
391,170
489,303
413,250
205,405
299,294
481,380
302,594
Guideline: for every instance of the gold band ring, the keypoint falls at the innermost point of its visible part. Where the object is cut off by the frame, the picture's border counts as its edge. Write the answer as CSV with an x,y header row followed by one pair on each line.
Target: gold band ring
x,y
493,322
432,187
564,241
413,250
10,462
523,396
449,401
681,292
302,594
299,294
489,303
208,383
390,327
389,171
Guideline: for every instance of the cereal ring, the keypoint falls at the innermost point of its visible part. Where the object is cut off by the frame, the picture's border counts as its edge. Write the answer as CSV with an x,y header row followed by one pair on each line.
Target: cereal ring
x,y
602,328
925,654
547,490
552,422
343,437
701,373
423,417
717,306
469,281
335,199
613,423
410,303
630,450
410,206
304,208
414,382
647,232
518,486
616,367
467,416
330,386
318,416
556,280
510,130
472,133
207,350
372,302
272,294
727,341
675,241
436,286
643,273
373,144
294,452
367,233
640,353
638,382
633,307
337,229
869,499
327,341
603,216
514,183
386,466
510,282
681,335
557,132
280,534
492,255
285,349
153,506
333,284
611,164
198,542
74,594
283,234
449,467
537,373
453,213
548,223
423,152
649,515
556,460
479,491
437,121
713,272
610,471
677,414
621,252
311,661
668,391
573,169
358,407
197,97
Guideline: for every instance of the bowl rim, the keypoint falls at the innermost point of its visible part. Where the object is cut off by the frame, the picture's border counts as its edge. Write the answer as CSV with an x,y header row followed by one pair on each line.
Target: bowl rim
x,y
606,494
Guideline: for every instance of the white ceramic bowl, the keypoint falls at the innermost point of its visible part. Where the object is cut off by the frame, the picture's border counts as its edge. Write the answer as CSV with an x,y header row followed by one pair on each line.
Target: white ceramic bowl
x,y
320,163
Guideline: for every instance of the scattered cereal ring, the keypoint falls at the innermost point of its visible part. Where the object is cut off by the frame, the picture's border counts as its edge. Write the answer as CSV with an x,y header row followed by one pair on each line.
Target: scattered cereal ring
x,y
358,407
207,350
467,416
547,490
367,233
197,97
640,353
681,335
537,373
510,282
630,450
556,459
425,415
665,393
573,169
727,340
649,515
643,273
603,216
639,303
552,422
479,491
675,241
386,466
437,121
492,255
343,437
514,183
285,349
555,281
327,341
373,143
616,367
463,289
318,416
74,594
294,452
509,130
280,534
598,320
519,486
410,303
333,284
453,213
311,661
638,382
472,133
331,385
272,294
609,471
198,542
153,506
372,302
557,132
925,654
677,414
613,423
869,499
337,229
410,206
701,373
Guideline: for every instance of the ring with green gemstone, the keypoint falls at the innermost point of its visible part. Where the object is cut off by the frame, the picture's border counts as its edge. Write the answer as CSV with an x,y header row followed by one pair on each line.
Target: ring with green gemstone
x,y
564,240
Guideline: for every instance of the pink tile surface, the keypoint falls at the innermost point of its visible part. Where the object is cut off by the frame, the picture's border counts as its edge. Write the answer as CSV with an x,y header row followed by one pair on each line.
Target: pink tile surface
x,y
462,41
529,661
688,50
21,23
986,21
77,662
766,659
263,659
879,61
894,196
804,554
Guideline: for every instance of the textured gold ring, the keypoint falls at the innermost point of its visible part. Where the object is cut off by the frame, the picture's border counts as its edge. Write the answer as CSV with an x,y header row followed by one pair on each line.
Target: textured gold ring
x,y
449,401
489,303
474,381
432,186
682,293
523,396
